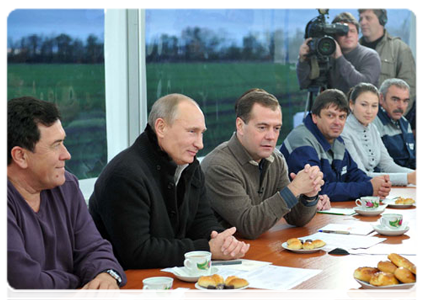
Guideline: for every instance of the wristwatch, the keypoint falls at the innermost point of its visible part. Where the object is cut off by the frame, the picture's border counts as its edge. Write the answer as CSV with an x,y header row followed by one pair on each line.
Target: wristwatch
x,y
115,275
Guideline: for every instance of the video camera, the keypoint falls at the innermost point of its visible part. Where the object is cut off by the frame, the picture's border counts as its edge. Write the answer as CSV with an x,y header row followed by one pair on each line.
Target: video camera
x,y
323,43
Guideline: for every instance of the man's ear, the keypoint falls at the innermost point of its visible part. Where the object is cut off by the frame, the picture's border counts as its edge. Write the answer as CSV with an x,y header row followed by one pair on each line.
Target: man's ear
x,y
314,118
19,156
381,99
239,123
160,127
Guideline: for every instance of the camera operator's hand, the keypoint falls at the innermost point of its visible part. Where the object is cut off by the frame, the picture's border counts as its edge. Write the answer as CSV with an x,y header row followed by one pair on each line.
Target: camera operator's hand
x,y
304,50
338,51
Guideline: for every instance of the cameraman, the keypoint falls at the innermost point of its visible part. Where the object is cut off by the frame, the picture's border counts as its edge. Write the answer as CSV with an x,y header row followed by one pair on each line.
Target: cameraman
x,y
349,65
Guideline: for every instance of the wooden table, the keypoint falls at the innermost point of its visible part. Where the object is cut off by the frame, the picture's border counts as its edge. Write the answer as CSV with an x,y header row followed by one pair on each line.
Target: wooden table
x,y
337,270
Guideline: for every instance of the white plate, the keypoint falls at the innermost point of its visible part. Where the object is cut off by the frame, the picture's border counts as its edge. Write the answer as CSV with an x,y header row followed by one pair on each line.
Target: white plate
x,y
181,274
370,212
384,231
219,292
366,285
302,251
391,203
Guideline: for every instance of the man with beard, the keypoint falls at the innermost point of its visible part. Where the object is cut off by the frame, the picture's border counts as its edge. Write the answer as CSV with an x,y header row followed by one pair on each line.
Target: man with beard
x,y
317,142
393,127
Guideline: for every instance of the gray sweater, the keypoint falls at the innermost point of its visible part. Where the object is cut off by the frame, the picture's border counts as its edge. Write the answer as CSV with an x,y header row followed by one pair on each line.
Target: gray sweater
x,y
248,198
369,152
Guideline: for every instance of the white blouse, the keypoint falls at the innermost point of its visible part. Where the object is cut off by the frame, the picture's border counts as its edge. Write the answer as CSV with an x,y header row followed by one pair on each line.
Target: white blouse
x,y
368,150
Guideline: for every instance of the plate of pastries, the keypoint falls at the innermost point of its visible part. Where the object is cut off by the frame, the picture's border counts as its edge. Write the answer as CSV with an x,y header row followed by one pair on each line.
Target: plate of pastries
x,y
356,294
395,273
217,282
303,246
400,202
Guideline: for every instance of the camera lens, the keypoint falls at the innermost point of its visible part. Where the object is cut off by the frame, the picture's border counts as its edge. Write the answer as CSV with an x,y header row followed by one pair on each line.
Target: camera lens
x,y
326,46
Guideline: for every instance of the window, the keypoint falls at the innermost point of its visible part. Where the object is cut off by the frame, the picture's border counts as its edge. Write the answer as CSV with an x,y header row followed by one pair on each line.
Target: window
x,y
57,55
215,55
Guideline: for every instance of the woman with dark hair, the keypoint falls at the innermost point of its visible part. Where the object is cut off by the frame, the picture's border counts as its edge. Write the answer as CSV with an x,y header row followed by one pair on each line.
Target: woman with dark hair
x,y
363,141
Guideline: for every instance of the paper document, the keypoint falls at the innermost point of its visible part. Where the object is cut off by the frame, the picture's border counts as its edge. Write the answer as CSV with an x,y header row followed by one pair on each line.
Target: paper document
x,y
247,265
359,229
344,241
272,277
338,211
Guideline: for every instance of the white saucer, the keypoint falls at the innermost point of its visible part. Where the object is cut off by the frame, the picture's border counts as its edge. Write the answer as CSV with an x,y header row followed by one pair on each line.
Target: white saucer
x,y
366,285
370,212
181,274
219,292
391,232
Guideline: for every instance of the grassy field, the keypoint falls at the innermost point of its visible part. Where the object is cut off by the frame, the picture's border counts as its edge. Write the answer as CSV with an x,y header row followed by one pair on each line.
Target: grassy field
x,y
79,92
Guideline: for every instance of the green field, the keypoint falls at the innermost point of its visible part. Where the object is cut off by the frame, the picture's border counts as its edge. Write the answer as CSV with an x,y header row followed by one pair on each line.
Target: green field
x,y
79,92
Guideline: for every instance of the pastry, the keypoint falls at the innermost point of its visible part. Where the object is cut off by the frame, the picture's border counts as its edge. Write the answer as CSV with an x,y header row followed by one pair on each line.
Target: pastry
x,y
387,266
382,279
404,275
235,283
295,245
318,243
405,201
415,270
356,294
401,261
292,240
365,273
308,246
207,282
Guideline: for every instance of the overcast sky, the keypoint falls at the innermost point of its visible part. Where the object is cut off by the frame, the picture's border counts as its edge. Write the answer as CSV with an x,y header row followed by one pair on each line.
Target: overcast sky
x,y
236,22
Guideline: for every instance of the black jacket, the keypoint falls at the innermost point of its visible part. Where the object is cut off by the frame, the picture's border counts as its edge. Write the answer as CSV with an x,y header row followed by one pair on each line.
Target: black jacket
x,y
150,222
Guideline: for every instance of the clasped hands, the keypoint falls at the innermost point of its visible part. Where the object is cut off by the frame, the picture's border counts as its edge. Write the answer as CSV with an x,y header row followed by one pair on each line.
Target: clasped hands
x,y
225,246
308,181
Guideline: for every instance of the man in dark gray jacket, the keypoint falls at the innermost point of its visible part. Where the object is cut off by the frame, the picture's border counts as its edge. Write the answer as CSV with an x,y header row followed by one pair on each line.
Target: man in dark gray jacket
x,y
247,178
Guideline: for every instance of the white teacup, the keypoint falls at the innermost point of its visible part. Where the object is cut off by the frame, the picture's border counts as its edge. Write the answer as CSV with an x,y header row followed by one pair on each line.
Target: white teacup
x,y
198,263
157,283
369,202
392,221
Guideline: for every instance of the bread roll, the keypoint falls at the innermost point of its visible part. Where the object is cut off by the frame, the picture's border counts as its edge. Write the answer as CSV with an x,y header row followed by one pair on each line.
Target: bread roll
x,y
401,261
207,282
318,243
308,246
356,294
236,283
229,278
382,279
295,245
365,273
293,240
387,266
404,275
415,270
218,279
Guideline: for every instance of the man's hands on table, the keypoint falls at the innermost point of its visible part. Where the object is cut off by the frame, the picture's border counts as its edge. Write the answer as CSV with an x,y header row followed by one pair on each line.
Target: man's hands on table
x,y
225,246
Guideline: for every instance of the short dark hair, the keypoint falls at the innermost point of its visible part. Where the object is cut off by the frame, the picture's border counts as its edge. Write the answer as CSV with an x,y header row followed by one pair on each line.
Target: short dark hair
x,y
23,116
245,103
328,98
360,88
346,17
381,14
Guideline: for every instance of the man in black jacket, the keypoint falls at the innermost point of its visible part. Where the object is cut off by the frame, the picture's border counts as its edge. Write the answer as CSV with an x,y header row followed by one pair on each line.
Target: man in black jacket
x,y
150,201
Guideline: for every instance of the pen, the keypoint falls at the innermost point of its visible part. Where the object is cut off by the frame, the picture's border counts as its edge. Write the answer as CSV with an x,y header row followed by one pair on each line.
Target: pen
x,y
334,231
225,263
